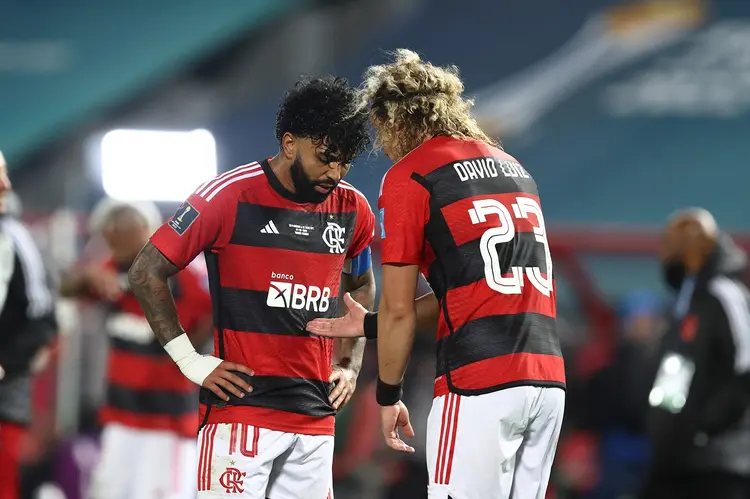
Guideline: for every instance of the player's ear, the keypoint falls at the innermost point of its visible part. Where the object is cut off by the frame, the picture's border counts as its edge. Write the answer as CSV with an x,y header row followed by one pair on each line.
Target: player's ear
x,y
289,146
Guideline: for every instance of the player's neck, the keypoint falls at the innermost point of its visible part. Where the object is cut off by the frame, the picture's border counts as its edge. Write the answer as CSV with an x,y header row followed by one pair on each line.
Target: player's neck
x,y
282,169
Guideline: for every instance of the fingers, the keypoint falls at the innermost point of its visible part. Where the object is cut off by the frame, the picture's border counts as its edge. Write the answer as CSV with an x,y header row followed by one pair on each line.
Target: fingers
x,y
231,366
347,397
229,387
396,443
335,375
408,429
210,385
336,392
320,326
237,381
339,400
404,422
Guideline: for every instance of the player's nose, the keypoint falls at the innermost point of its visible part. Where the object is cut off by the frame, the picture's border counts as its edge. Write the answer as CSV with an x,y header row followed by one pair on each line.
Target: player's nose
x,y
334,172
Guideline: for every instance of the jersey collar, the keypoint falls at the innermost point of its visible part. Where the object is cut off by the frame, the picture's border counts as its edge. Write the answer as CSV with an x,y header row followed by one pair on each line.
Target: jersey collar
x,y
277,186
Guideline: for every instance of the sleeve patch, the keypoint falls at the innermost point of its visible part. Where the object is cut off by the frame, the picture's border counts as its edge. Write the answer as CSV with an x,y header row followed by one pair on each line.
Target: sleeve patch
x,y
183,218
382,223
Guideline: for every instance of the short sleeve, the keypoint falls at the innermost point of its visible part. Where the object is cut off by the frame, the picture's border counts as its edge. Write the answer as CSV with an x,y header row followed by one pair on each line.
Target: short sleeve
x,y
364,230
199,224
404,211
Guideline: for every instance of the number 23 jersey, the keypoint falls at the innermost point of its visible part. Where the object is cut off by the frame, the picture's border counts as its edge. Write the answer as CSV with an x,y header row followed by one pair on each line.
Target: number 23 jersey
x,y
469,215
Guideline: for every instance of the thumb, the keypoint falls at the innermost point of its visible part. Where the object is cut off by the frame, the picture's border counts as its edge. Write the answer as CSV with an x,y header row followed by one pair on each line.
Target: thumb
x,y
350,302
408,430
335,376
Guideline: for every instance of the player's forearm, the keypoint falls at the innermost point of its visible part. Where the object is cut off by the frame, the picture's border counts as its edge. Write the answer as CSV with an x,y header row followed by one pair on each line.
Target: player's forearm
x,y
148,280
427,310
362,290
397,327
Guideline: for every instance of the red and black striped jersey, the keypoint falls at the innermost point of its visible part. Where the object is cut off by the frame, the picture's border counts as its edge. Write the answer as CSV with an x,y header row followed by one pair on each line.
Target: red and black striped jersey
x,y
469,215
274,264
145,388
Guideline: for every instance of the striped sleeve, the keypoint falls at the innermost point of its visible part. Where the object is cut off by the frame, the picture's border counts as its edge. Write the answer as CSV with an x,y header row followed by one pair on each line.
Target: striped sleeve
x,y
735,302
37,290
205,219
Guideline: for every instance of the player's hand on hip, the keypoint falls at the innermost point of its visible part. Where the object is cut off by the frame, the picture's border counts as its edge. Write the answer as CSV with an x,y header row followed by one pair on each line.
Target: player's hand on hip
x,y
392,418
345,380
222,381
350,325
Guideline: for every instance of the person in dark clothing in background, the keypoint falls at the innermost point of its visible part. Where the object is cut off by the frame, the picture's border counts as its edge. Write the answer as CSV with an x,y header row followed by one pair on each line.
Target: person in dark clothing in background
x,y
618,398
27,326
699,422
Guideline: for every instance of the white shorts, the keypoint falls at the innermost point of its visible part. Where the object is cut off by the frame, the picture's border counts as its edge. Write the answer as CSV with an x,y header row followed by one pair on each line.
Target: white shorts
x,y
143,464
498,445
243,461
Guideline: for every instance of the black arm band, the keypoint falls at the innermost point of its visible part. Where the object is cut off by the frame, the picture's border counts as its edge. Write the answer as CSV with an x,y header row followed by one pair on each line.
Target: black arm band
x,y
371,325
387,394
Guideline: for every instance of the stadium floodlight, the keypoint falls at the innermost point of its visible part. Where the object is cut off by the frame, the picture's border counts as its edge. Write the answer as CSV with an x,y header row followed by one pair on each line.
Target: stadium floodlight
x,y
156,165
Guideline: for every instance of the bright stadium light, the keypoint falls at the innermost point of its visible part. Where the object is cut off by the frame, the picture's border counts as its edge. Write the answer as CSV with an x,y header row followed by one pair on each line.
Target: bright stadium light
x,y
156,165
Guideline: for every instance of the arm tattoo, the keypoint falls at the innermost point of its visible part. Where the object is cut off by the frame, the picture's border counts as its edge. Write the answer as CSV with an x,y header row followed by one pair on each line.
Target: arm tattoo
x,y
362,289
148,279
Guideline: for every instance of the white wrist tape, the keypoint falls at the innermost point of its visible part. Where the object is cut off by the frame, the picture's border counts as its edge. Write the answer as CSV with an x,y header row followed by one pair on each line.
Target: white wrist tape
x,y
194,366
2,371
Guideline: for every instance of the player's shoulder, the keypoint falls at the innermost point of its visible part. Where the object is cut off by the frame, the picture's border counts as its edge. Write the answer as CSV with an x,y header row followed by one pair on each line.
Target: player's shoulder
x,y
420,160
229,185
352,195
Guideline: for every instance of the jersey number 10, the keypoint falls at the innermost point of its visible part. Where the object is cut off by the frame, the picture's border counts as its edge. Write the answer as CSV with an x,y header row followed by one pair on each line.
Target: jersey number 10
x,y
504,233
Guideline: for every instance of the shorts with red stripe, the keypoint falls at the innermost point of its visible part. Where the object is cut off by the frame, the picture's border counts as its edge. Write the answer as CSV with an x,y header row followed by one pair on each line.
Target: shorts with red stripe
x,y
498,445
248,462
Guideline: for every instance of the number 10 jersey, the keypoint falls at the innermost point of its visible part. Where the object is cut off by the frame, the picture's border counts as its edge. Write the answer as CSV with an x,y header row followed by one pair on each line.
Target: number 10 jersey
x,y
469,215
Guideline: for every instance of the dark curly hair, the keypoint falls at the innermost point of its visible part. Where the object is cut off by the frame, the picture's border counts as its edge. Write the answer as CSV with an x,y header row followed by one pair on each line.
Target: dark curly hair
x,y
323,109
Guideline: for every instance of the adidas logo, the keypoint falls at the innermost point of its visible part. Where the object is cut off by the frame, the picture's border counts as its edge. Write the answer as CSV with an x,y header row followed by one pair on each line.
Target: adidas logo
x,y
270,228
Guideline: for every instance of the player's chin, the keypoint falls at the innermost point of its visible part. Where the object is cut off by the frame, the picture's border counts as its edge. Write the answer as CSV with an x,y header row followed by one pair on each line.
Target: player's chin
x,y
324,188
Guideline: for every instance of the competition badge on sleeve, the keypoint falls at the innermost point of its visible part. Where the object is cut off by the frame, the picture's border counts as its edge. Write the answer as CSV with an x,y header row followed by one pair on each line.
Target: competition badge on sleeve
x,y
183,218
672,383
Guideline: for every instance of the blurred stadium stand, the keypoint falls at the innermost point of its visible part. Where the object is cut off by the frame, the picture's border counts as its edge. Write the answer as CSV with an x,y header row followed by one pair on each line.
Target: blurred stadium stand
x,y
623,112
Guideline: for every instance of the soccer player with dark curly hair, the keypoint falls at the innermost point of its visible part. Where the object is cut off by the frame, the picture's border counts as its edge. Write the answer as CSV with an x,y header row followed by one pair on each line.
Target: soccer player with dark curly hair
x,y
281,236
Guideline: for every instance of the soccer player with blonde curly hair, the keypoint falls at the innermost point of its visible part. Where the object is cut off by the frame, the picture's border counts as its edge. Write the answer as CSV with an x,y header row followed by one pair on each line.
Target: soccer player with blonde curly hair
x,y
467,215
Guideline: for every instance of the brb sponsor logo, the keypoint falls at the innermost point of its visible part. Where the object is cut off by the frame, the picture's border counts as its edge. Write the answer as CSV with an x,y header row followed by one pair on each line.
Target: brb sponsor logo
x,y
283,292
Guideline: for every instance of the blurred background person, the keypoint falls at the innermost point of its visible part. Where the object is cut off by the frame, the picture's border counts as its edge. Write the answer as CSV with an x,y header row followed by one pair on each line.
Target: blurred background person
x,y
148,443
27,327
700,422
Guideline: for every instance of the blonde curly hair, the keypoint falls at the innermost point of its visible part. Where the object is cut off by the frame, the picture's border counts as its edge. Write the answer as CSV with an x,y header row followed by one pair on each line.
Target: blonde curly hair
x,y
411,101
